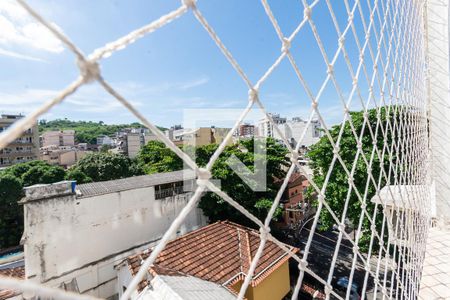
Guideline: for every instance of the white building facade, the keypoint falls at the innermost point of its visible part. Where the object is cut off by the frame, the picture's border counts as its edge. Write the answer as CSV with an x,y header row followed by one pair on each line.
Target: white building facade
x,y
293,130
75,235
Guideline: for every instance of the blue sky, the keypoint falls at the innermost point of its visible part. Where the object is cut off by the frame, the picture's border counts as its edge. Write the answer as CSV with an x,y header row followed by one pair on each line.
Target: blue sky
x,y
174,68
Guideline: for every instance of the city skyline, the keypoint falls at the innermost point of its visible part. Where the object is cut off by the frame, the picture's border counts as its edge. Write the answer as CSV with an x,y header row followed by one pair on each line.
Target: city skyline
x,y
159,79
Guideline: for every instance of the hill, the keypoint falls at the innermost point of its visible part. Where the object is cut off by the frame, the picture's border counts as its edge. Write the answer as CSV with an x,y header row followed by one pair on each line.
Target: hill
x,y
85,131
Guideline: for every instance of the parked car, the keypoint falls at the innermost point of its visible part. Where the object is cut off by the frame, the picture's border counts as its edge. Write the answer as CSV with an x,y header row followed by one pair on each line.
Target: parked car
x,y
342,285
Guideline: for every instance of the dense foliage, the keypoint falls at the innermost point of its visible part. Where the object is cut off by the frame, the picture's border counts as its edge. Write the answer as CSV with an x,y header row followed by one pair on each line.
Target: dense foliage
x,y
321,155
36,171
12,181
155,157
85,131
103,166
11,217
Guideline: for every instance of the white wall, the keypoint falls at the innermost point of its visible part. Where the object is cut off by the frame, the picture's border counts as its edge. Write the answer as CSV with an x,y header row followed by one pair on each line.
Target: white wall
x,y
439,101
66,236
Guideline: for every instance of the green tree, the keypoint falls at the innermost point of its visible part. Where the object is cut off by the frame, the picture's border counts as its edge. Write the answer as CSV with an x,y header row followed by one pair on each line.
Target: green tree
x,y
336,193
155,157
257,203
86,131
103,166
11,217
36,171
43,174
77,175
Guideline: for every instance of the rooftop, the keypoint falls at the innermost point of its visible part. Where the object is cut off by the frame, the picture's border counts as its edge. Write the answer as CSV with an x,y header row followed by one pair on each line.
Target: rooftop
x,y
187,288
17,272
136,182
219,253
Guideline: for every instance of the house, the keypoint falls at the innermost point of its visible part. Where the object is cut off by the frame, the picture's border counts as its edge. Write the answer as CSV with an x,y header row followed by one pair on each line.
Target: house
x,y
221,254
293,200
64,156
75,235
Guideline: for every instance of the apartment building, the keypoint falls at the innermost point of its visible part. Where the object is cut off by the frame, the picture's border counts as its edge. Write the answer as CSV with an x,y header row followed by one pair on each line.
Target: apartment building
x,y
292,130
22,149
246,130
58,138
131,140
198,137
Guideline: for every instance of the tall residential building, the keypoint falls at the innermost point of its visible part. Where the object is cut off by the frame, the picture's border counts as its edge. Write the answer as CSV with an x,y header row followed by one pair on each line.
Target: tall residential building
x,y
131,140
58,138
292,130
265,127
22,149
246,130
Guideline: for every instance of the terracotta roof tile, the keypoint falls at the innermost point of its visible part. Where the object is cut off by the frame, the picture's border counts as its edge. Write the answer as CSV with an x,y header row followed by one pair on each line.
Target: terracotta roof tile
x,y
18,272
218,253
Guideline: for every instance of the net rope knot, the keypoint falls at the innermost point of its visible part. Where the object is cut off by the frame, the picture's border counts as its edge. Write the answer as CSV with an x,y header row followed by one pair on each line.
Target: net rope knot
x,y
89,70
264,232
327,289
189,3
203,176
252,95
286,45
294,157
307,12
302,265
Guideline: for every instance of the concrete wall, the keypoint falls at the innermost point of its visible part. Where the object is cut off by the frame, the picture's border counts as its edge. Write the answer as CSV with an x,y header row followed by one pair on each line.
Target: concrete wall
x,y
68,237
439,104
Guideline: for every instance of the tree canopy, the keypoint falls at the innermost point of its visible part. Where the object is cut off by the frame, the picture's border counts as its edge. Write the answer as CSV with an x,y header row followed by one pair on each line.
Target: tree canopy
x,y
103,166
155,157
336,193
36,171
11,217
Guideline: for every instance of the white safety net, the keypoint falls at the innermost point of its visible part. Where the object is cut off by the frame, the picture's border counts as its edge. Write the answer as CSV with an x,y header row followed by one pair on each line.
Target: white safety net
x,y
381,45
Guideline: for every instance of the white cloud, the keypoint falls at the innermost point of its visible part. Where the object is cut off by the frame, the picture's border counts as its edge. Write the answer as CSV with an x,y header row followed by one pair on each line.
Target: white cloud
x,y
193,83
19,33
19,55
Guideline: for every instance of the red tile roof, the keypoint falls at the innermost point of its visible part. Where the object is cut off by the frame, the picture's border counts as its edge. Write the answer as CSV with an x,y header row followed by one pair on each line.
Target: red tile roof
x,y
220,253
18,272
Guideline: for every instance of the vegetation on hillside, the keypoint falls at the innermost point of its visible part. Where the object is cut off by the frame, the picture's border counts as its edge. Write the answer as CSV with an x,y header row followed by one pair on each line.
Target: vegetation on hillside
x,y
85,131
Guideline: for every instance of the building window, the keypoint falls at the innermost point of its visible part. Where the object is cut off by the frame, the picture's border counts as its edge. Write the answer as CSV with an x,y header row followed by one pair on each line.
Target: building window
x,y
169,189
